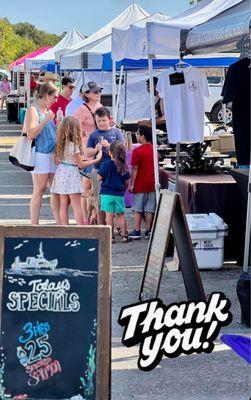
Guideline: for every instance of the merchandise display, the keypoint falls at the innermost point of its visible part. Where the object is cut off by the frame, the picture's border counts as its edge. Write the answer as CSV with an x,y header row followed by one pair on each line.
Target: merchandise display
x,y
183,91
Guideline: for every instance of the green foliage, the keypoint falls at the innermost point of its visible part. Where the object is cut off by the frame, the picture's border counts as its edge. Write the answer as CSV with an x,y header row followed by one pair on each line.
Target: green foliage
x,y
10,46
40,38
20,39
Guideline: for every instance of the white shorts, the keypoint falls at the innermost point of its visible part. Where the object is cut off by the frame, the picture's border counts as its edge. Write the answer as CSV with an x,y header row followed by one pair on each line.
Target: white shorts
x,y
44,164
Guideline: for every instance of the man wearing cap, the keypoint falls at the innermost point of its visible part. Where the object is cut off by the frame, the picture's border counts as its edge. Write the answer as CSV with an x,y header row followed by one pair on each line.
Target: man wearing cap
x,y
68,86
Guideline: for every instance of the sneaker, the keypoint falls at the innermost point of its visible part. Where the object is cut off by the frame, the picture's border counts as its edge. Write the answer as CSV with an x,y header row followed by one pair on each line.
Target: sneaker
x,y
135,234
147,234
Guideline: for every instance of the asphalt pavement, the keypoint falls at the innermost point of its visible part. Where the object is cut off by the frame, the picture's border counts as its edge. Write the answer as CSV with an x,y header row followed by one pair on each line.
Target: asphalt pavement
x,y
221,375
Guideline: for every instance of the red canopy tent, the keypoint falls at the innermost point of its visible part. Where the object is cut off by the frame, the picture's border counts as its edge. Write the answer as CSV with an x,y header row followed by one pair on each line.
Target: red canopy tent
x,y
33,54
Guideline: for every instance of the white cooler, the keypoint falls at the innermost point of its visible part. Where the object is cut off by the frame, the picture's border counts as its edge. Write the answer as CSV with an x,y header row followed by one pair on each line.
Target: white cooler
x,y
207,232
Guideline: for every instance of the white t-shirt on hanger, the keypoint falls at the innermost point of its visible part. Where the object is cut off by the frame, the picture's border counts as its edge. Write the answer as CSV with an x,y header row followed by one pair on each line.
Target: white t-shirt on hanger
x,y
184,104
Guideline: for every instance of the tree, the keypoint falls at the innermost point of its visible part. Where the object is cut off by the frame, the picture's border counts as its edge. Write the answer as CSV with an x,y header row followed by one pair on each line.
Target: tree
x,y
12,46
39,37
26,30
24,46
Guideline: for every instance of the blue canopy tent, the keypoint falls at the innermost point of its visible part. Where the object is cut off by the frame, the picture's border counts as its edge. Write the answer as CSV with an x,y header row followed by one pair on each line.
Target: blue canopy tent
x,y
216,61
208,61
50,67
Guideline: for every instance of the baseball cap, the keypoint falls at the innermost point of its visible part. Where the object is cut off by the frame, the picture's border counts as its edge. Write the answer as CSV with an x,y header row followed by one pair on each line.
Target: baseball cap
x,y
91,87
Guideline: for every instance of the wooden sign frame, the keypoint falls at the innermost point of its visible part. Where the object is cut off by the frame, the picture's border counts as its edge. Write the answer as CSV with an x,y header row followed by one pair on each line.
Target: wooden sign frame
x,y
103,234
170,214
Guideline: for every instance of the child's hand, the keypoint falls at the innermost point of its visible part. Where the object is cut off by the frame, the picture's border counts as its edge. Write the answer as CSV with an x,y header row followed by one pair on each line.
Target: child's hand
x,y
105,143
56,160
98,146
99,155
131,188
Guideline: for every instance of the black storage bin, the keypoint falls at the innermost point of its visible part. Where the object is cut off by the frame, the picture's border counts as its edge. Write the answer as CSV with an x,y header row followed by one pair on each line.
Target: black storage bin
x,y
12,108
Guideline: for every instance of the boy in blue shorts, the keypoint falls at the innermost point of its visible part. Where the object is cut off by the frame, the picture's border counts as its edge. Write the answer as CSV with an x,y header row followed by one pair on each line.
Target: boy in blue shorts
x,y
114,177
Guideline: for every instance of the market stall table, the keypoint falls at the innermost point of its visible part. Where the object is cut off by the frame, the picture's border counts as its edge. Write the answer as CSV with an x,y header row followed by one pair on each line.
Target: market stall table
x,y
206,193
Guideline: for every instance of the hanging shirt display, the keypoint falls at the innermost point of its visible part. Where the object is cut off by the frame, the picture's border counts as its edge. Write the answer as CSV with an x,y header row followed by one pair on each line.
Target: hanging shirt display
x,y
237,89
183,95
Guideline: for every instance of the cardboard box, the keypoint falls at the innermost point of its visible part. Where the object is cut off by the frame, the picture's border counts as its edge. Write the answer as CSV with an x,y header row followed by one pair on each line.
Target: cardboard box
x,y
225,144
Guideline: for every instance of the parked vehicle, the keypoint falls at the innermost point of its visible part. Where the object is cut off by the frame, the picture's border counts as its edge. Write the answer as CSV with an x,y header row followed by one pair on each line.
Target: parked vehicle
x,y
213,104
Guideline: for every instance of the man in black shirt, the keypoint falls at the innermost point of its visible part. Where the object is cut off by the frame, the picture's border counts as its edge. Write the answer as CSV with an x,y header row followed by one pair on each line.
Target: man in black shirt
x,y
237,89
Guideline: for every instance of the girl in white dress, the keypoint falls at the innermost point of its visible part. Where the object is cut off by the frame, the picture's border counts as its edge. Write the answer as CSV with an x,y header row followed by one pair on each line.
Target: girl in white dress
x,y
67,181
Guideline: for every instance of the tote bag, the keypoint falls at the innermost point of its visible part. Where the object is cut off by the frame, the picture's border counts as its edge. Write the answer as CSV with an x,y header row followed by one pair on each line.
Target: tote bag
x,y
22,153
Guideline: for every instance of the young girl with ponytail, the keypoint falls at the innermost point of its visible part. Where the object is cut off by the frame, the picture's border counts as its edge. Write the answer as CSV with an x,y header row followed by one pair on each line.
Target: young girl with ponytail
x,y
114,177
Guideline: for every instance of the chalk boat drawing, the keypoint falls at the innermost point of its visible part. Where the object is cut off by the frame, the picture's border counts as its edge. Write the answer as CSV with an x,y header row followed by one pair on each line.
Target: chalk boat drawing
x,y
38,262
39,265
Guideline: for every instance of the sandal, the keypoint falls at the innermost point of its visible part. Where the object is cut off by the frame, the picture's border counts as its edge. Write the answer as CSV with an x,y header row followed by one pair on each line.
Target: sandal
x,y
125,239
119,232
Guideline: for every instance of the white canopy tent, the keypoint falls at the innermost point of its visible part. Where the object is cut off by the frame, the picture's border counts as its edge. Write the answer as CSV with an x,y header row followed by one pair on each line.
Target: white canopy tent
x,y
71,38
164,39
100,41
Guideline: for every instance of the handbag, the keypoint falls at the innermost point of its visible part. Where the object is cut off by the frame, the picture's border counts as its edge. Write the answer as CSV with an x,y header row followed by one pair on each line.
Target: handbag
x,y
22,153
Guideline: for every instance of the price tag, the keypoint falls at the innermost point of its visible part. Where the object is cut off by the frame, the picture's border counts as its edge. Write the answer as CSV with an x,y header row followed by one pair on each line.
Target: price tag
x,y
177,78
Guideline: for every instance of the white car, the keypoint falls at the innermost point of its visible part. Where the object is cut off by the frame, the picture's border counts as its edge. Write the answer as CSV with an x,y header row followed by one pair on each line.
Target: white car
x,y
213,103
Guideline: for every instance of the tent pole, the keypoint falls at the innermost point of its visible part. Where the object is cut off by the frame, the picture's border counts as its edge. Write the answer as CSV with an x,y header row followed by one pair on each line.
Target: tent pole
x,y
27,87
153,117
118,94
113,88
101,78
247,247
224,106
177,167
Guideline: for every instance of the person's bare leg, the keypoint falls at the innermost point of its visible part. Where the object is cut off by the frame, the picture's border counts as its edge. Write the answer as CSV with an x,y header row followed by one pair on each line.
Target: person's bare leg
x,y
2,103
86,190
101,217
63,210
39,187
55,202
122,223
149,220
76,206
137,220
109,219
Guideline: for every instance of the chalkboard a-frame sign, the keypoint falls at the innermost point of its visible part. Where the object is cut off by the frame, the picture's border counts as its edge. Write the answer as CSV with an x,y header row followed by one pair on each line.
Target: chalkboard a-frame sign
x,y
55,285
170,213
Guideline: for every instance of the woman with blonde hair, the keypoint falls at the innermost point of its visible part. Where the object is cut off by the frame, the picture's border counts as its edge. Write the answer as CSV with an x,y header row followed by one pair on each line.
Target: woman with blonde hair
x,y
67,180
39,126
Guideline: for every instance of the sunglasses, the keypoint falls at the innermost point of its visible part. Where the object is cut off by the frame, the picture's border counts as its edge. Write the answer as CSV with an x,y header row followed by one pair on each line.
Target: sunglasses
x,y
71,87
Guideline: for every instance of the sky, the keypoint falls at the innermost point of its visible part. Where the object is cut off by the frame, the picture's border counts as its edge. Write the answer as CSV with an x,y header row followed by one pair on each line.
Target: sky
x,y
54,16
